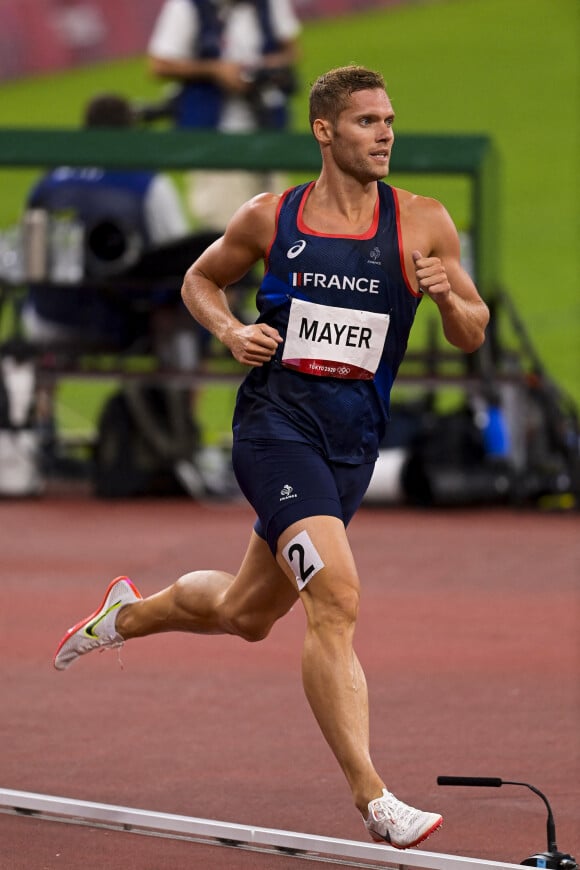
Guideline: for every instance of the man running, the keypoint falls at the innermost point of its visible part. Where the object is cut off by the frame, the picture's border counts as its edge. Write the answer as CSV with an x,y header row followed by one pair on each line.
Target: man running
x,y
347,261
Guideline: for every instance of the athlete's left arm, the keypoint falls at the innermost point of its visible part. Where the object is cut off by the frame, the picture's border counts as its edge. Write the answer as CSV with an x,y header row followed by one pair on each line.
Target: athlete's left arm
x,y
441,276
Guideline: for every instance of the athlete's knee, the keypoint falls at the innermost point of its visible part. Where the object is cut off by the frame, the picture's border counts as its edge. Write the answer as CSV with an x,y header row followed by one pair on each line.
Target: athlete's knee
x,y
336,607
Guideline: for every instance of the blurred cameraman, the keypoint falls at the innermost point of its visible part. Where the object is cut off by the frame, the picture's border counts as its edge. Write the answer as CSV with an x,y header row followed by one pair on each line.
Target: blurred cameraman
x,y
123,214
233,62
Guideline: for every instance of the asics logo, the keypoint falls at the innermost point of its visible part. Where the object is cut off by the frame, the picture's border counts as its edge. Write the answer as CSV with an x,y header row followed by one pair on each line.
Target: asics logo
x,y
296,249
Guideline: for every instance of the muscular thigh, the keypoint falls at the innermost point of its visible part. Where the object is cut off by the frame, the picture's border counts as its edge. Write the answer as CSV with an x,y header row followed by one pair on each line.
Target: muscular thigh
x,y
287,481
260,593
315,554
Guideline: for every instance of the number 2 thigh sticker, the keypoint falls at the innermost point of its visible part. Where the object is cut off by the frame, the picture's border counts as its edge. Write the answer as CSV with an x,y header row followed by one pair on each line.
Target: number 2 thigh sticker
x,y
303,558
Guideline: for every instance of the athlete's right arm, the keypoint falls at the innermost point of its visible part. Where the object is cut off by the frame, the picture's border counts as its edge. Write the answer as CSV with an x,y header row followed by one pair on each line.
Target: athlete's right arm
x,y
227,260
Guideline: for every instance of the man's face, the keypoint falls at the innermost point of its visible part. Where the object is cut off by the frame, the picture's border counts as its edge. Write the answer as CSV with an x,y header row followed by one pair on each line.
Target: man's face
x,y
363,136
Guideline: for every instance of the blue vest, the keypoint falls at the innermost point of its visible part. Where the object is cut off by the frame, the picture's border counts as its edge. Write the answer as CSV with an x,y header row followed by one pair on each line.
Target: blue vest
x,y
199,104
345,419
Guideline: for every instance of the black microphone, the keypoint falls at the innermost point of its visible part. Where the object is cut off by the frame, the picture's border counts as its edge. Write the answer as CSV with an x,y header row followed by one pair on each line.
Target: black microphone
x,y
488,781
553,857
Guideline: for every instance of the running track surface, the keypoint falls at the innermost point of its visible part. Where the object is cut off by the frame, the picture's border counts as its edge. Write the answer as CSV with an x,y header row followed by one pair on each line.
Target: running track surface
x,y
468,634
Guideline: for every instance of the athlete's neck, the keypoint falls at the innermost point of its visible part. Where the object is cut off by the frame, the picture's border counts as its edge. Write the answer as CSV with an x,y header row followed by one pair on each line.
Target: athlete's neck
x,y
346,208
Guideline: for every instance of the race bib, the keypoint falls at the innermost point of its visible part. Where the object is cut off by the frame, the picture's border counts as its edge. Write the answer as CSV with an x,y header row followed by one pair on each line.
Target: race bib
x,y
334,342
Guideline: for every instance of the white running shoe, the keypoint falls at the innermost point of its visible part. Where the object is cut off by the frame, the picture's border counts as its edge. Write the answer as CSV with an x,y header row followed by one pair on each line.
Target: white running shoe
x,y
97,631
392,821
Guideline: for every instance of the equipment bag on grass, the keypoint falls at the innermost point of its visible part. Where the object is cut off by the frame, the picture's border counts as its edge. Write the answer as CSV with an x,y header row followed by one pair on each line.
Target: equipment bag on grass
x,y
145,445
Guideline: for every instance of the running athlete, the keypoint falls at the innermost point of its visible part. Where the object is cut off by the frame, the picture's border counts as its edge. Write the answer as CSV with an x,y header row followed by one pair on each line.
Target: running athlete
x,y
347,261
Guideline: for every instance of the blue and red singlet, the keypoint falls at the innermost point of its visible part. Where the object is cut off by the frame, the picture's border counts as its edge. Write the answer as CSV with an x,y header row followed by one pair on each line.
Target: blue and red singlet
x,y
344,308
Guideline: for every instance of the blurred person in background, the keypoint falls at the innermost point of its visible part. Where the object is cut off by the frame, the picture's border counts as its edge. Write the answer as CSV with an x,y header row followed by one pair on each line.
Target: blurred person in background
x,y
122,213
233,65
117,243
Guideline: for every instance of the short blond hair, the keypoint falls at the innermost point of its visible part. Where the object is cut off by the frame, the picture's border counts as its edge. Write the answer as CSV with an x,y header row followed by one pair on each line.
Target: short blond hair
x,y
331,92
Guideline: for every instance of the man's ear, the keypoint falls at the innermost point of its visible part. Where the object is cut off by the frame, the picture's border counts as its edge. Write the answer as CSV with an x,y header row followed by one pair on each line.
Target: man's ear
x,y
322,130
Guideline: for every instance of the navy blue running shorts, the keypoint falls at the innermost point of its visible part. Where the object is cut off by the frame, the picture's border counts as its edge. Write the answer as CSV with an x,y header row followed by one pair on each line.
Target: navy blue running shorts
x,y
286,481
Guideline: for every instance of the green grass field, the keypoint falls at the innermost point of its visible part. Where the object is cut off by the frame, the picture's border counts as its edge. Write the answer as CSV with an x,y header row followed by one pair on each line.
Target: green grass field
x,y
506,68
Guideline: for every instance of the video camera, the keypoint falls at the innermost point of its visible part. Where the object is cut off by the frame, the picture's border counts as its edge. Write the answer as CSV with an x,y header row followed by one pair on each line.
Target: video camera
x,y
268,90
161,110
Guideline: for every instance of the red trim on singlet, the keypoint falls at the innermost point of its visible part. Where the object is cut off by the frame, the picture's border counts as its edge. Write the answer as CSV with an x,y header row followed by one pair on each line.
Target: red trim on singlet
x,y
304,228
278,208
400,243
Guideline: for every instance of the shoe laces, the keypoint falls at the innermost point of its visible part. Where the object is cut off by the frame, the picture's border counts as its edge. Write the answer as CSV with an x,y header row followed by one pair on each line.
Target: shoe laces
x,y
117,647
400,813
393,811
